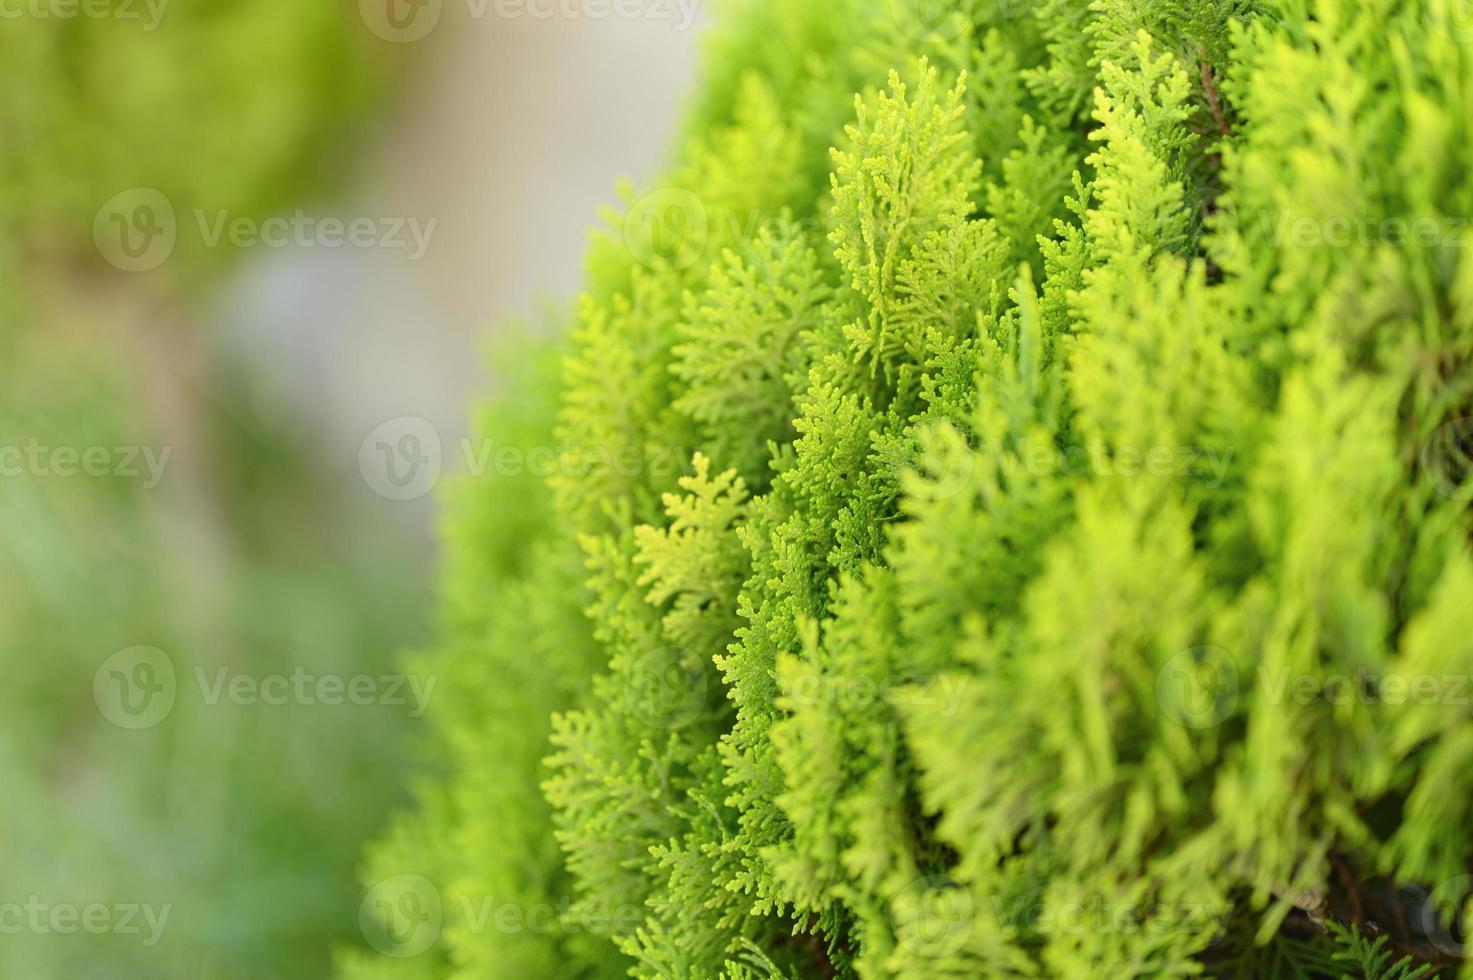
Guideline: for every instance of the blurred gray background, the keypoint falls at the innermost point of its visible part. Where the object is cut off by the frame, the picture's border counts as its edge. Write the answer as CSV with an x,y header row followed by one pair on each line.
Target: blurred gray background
x,y
511,134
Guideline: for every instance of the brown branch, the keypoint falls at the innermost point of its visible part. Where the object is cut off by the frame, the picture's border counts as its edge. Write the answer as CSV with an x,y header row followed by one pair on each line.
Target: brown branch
x,y
1211,93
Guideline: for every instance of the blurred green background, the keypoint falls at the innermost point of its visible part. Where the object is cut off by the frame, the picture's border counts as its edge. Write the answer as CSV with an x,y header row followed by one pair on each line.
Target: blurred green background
x,y
184,495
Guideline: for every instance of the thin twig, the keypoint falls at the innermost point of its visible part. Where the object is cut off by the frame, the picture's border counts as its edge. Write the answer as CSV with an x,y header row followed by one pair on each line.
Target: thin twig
x,y
1214,98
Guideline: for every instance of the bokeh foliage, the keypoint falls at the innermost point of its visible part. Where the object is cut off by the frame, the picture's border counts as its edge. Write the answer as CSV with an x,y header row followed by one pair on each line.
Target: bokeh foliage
x,y
244,819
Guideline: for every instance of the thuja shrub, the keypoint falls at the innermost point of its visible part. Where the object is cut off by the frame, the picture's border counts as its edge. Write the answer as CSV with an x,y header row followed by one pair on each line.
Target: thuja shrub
x,y
1009,521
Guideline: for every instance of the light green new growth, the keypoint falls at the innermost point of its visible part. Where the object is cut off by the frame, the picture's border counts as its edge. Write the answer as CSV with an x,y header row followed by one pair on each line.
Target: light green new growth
x,y
1025,469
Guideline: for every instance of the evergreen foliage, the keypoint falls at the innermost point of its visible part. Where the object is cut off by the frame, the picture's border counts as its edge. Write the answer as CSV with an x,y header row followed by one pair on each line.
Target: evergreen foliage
x,y
944,531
